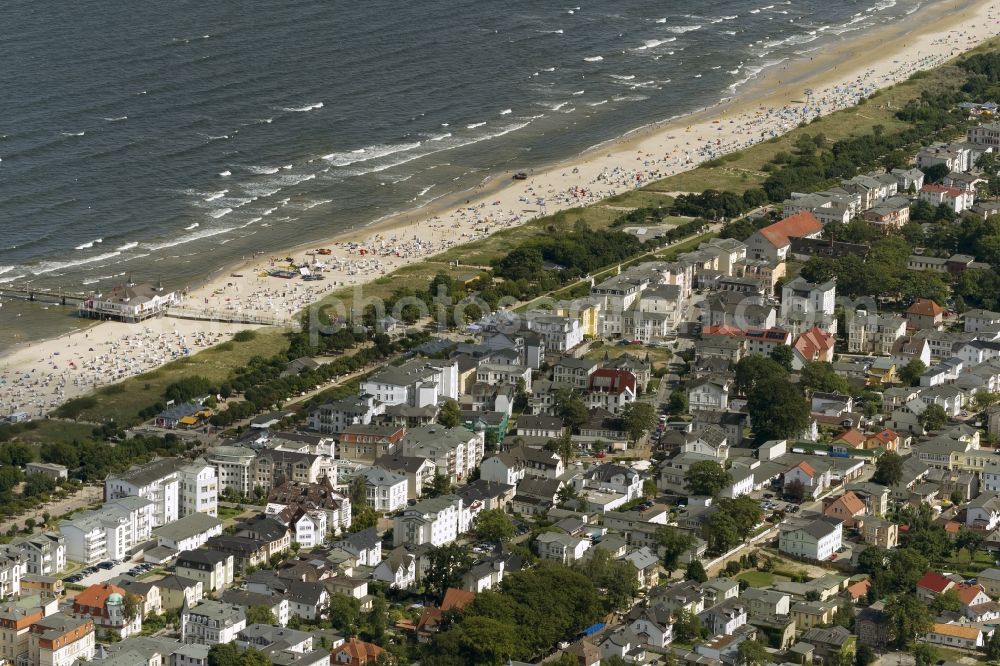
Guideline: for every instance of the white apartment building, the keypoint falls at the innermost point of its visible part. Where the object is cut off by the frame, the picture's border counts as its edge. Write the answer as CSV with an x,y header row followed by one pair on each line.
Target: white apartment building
x,y
233,468
804,305
110,532
11,568
873,334
559,333
817,540
44,554
418,382
158,481
455,452
212,623
436,521
384,490
199,489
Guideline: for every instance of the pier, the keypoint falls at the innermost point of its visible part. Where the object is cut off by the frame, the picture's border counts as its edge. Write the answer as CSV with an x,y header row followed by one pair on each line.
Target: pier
x,y
226,316
41,295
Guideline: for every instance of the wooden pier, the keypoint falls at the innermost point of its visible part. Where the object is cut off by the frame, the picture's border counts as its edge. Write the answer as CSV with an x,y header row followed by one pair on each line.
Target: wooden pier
x,y
226,316
41,295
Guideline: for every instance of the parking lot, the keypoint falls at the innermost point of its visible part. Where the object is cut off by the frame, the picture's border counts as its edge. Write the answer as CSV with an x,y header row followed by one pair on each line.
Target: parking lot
x,y
96,574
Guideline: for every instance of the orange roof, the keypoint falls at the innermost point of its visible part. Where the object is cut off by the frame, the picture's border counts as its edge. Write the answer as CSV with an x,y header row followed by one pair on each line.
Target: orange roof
x,y
956,630
359,652
456,598
886,436
795,226
97,595
952,527
805,467
925,307
851,503
814,343
852,437
859,589
968,593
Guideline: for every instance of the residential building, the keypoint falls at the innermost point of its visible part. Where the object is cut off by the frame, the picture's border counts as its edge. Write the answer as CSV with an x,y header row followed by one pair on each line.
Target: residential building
x,y
105,605
418,382
213,569
818,539
560,547
60,640
384,491
772,242
436,521
233,468
157,481
212,623
873,334
455,452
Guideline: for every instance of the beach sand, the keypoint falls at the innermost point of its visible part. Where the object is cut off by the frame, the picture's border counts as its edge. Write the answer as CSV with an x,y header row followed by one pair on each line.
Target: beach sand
x,y
39,376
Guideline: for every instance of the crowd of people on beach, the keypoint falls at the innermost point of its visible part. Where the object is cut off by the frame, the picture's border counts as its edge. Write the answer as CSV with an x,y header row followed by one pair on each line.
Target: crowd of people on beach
x,y
86,363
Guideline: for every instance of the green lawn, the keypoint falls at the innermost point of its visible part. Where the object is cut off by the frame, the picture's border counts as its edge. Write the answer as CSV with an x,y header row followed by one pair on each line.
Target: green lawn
x,y
757,578
643,198
48,430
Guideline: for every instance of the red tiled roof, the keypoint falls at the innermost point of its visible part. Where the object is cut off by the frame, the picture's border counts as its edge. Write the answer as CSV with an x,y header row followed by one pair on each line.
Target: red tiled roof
x,y
97,595
852,503
968,593
456,598
795,226
859,589
925,307
886,436
814,343
935,582
941,189
612,381
359,652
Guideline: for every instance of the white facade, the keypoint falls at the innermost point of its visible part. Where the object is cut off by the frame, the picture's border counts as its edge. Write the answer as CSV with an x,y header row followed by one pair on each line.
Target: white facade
x,y
157,481
199,489
384,491
233,468
559,333
309,531
817,541
417,383
212,623
436,521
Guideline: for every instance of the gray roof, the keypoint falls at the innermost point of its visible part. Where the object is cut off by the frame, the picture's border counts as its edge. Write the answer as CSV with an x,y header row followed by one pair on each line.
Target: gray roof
x,y
189,525
228,614
143,475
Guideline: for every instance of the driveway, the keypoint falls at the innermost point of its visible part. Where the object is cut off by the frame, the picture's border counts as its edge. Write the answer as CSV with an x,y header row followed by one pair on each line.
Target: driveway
x,y
102,575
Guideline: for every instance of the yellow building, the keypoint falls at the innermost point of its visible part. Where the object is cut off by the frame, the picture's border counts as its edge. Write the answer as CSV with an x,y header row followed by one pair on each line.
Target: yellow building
x,y
588,313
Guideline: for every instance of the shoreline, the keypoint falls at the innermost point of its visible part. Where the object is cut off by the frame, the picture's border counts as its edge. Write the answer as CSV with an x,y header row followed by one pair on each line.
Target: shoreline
x,y
840,74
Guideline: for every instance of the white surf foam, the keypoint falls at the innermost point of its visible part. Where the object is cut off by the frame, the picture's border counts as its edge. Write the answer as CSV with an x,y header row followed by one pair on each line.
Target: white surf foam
x,y
118,119
127,246
594,59
87,246
216,195
52,266
505,112
221,212
368,153
303,109
474,125
225,173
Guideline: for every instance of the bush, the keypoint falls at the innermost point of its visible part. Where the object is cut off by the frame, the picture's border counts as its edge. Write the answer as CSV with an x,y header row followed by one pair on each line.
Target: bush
x,y
245,336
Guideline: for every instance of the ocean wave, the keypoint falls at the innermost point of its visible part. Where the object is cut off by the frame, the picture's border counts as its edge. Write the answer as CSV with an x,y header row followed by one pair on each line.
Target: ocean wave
x,y
474,125
6,269
660,20
425,190
12,278
441,137
681,29
506,112
225,173
127,246
653,43
553,106
189,238
52,266
603,101
87,246
72,133
630,98
216,195
302,109
594,59
191,226
262,170
115,120
368,153
578,92
221,212
623,77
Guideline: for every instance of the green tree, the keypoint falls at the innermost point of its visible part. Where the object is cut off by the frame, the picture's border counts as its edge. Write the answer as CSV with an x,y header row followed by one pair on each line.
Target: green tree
x,y
358,492
562,446
446,566
969,540
493,525
261,615
777,411
638,418
844,616
752,653
440,485
924,654
794,491
687,627
947,601
933,418
345,613
366,517
616,577
571,408
992,647
450,414
782,355
722,532
754,370
672,543
695,571
678,401
17,454
888,469
910,374
864,656
819,376
706,477
907,617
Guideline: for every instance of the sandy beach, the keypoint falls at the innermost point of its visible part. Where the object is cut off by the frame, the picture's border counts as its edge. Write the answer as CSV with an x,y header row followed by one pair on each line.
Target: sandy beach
x,y
37,377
